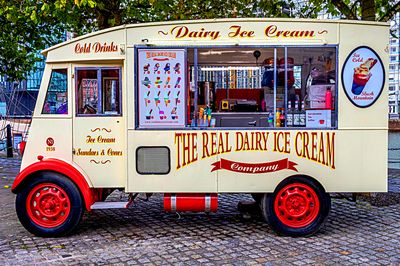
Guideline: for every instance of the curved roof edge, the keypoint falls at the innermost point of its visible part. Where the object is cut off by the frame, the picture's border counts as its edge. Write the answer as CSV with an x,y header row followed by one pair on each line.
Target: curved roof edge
x,y
175,22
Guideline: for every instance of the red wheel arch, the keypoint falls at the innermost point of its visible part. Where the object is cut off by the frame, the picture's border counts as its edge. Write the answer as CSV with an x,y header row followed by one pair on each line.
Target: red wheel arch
x,y
63,168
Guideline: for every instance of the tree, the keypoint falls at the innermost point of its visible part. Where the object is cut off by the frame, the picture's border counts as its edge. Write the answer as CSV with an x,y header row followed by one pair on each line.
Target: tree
x,y
370,10
106,13
29,26
25,29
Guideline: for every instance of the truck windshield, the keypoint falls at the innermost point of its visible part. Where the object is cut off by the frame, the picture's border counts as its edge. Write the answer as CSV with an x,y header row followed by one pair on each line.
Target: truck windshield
x,y
56,101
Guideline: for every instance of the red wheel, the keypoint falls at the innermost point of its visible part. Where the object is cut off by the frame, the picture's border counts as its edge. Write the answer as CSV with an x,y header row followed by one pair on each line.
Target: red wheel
x,y
299,206
296,205
48,205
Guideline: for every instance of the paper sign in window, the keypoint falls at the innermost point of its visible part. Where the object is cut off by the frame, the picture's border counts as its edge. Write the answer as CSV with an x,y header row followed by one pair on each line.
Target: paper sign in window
x,y
161,83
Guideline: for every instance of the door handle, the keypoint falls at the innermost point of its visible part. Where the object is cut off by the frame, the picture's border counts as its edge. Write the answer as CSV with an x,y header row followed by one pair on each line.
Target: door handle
x,y
254,123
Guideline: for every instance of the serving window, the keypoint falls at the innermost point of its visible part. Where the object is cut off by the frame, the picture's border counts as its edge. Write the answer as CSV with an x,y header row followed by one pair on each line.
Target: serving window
x,y
237,87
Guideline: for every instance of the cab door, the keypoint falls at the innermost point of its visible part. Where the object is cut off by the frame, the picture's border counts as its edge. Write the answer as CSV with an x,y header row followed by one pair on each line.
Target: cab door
x,y
98,125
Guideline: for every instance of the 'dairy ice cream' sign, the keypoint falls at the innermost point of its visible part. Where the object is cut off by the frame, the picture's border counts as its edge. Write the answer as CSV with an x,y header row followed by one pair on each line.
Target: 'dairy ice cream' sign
x,y
363,76
238,31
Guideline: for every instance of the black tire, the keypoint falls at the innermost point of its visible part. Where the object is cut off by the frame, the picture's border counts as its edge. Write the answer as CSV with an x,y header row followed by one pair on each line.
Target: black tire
x,y
257,197
49,205
292,215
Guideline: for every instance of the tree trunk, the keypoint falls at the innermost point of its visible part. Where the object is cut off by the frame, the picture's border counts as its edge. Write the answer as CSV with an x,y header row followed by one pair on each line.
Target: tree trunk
x,y
118,18
107,11
368,10
344,9
102,18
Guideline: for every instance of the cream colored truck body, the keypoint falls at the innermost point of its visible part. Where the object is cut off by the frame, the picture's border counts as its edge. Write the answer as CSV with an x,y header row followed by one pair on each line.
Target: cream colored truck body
x,y
349,158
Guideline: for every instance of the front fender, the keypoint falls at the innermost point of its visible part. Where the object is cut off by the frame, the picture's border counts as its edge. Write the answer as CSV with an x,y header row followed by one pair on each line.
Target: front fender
x,y
64,168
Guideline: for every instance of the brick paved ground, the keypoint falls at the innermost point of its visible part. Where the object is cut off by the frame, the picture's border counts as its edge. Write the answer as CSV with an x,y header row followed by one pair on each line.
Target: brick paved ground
x,y
355,233
394,180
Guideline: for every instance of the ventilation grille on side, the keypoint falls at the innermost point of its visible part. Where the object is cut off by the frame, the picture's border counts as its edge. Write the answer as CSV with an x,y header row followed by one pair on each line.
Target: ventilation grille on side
x,y
153,160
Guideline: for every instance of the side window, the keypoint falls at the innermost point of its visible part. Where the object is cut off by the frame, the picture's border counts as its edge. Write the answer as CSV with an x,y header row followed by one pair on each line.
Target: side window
x,y
237,87
263,87
110,91
313,103
88,91
98,91
56,101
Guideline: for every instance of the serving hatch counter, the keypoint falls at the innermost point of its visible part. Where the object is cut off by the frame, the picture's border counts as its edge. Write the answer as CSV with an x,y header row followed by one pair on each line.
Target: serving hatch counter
x,y
241,119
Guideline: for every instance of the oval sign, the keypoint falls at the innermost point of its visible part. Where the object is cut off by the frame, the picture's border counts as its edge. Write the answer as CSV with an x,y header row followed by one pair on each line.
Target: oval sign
x,y
363,76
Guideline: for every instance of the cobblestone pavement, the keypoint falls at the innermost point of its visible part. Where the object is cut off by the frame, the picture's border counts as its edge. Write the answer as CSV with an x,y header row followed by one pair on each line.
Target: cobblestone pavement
x,y
355,233
394,180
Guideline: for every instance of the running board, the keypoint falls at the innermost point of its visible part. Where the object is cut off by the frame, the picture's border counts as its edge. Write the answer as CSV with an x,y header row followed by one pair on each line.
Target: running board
x,y
109,205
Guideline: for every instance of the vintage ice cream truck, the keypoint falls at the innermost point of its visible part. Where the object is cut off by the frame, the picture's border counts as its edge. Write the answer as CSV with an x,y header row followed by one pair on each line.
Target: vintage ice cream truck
x,y
286,110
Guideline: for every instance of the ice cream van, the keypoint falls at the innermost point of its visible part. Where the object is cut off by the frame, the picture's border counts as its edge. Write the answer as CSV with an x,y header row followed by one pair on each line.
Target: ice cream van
x,y
288,111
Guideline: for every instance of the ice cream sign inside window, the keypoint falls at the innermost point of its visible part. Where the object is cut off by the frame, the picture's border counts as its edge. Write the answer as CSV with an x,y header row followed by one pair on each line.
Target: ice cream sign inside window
x,y
363,76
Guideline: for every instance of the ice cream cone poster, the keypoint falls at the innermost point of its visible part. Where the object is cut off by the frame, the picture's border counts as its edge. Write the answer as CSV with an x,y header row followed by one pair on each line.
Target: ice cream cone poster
x,y
161,84
363,76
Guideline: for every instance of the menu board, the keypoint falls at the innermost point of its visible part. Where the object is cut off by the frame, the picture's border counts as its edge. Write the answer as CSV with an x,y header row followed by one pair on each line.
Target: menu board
x,y
161,85
363,76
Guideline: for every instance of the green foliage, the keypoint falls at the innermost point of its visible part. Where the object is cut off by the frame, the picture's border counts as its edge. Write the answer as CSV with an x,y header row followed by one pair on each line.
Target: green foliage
x,y
351,9
28,26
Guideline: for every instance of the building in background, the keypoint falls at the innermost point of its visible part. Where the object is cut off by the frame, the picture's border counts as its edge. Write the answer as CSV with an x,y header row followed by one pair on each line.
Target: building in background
x,y
394,67
18,99
17,102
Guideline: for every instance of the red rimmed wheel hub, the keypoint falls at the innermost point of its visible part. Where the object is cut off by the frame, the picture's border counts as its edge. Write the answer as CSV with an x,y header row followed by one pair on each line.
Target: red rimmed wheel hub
x,y
48,205
297,205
